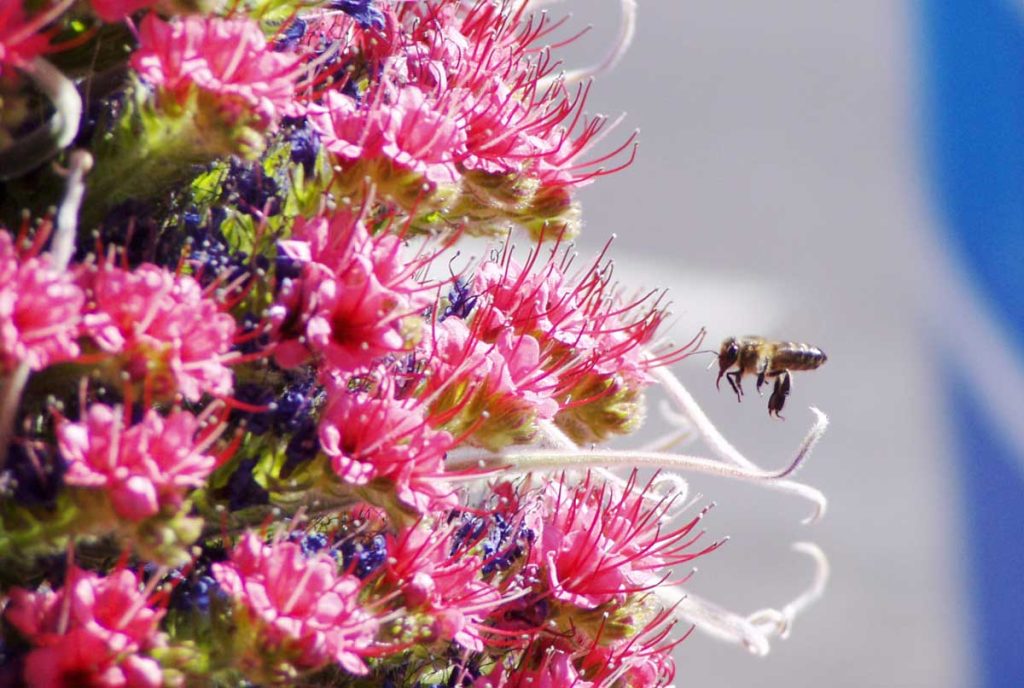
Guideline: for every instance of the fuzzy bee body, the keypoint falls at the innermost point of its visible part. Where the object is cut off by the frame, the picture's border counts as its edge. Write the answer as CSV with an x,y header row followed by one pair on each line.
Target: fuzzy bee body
x,y
766,360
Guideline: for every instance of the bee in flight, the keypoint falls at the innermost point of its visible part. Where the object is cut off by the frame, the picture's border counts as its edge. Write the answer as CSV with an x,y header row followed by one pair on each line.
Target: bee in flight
x,y
768,361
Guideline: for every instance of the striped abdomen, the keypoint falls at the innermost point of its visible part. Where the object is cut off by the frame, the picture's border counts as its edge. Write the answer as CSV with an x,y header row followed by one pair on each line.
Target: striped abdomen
x,y
797,356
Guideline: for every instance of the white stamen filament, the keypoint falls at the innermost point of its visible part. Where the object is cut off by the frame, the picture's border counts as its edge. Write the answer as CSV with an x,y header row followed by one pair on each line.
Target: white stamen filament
x,y
64,97
583,459
756,630
722,448
627,30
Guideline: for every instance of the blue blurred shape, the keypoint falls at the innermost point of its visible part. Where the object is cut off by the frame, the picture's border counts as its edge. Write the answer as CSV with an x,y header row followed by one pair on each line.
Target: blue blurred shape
x,y
973,64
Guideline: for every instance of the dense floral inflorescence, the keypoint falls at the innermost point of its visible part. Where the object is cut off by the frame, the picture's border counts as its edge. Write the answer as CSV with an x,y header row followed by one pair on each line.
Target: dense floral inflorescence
x,y
261,420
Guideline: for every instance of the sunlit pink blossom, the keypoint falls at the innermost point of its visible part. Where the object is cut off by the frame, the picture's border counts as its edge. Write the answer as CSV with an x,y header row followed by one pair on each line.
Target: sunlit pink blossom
x,y
555,670
116,10
40,310
599,543
299,604
498,79
413,132
163,327
21,38
374,437
226,58
92,631
443,586
506,377
349,302
141,467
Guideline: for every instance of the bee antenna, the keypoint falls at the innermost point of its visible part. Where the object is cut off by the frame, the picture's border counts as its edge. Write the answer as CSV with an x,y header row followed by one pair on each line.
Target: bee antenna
x,y
707,351
704,351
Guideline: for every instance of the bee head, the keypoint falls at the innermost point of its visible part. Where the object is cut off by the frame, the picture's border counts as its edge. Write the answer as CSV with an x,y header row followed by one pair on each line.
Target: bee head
x,y
728,354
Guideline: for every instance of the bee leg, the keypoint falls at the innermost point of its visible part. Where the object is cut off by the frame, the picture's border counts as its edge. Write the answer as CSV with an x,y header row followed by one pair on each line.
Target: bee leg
x,y
779,394
734,380
760,382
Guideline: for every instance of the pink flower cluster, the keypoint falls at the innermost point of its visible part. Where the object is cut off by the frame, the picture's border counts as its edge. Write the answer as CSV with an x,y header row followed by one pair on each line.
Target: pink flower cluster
x,y
348,306
292,317
446,588
94,631
163,328
117,10
300,605
460,91
541,345
599,544
142,468
20,40
40,310
229,59
375,440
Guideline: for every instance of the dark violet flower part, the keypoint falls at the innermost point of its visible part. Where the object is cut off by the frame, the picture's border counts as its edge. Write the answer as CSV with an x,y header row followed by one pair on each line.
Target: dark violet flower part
x,y
407,372
363,11
243,490
501,541
311,543
302,447
194,594
12,661
254,190
293,407
286,267
364,555
305,146
460,300
37,474
255,395
250,345
140,231
290,37
352,89
211,257
470,530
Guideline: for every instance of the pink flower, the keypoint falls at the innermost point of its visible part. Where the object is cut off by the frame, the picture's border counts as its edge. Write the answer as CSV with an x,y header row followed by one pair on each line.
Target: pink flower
x,y
519,118
226,58
350,301
414,132
497,391
21,40
142,467
40,310
642,660
543,301
299,604
116,10
556,670
91,632
600,544
163,327
378,438
442,586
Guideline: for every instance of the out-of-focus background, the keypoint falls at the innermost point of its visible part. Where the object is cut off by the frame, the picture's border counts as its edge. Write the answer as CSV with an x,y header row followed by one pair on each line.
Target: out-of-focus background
x,y
849,174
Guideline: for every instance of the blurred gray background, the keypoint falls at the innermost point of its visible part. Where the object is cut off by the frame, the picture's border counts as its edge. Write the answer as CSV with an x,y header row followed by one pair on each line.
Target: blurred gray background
x,y
778,191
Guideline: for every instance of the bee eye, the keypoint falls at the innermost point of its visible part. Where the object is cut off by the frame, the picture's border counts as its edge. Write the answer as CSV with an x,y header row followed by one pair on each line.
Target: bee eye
x,y
734,349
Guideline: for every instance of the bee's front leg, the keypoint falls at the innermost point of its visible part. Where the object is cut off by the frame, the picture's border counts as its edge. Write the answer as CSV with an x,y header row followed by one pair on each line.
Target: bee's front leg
x,y
779,394
734,380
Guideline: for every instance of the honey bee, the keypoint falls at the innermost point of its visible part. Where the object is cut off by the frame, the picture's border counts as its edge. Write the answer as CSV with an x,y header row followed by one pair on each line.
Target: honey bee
x,y
768,361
